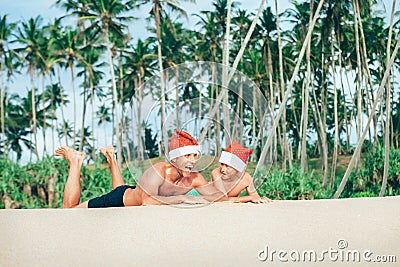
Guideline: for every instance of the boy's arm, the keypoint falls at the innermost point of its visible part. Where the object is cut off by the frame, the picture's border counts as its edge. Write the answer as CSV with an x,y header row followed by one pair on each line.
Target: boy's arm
x,y
253,196
150,183
251,191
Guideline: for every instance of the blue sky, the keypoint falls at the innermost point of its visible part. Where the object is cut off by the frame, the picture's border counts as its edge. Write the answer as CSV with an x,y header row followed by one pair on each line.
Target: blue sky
x,y
25,9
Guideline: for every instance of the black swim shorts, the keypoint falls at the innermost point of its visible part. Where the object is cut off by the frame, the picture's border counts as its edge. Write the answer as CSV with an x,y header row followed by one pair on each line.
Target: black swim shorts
x,y
113,199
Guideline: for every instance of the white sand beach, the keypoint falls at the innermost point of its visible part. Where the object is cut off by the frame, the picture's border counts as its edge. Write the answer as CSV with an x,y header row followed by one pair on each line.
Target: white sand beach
x,y
289,233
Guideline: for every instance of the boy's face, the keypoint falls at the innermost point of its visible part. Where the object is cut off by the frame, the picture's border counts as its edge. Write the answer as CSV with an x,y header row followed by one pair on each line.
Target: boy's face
x,y
227,170
186,162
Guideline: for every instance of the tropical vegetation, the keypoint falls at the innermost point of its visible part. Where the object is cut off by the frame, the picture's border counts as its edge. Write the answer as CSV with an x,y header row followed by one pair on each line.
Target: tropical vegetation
x,y
327,69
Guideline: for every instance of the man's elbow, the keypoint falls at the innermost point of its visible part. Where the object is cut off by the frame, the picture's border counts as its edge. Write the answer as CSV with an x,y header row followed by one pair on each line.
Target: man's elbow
x,y
150,200
221,197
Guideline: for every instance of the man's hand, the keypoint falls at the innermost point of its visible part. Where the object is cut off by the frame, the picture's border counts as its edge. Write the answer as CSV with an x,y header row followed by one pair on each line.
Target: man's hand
x,y
194,200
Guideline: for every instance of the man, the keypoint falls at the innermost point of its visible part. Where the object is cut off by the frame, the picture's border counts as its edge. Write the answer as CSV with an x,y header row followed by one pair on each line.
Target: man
x,y
163,183
231,178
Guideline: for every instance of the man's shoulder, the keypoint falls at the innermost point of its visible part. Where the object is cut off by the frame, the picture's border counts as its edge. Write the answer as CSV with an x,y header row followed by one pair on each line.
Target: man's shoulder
x,y
162,165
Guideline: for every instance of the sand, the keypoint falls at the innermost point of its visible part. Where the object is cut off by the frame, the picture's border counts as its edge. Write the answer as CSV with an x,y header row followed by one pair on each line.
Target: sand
x,y
284,233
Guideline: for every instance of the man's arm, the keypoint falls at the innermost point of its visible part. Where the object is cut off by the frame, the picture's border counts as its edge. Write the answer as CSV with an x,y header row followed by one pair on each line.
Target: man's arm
x,y
150,183
217,181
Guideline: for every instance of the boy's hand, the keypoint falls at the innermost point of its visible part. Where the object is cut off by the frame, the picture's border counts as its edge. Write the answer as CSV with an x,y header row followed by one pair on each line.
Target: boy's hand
x,y
259,200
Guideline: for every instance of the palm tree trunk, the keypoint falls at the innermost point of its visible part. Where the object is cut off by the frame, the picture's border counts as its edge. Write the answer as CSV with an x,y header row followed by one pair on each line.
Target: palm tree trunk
x,y
2,116
71,67
115,100
83,117
235,64
322,122
92,100
281,83
177,99
156,12
359,72
367,73
139,120
246,40
44,118
225,83
335,108
304,164
387,124
238,127
62,107
33,103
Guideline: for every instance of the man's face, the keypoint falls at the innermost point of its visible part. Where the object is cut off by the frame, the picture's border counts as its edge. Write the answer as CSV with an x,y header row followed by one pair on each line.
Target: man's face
x,y
186,162
227,170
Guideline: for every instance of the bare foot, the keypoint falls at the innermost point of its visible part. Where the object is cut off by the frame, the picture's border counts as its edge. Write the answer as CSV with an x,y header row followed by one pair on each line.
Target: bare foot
x,y
70,154
109,153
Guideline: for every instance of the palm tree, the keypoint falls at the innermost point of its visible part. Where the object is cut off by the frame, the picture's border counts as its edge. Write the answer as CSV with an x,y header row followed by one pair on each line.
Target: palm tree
x,y
388,113
292,80
103,114
53,98
267,27
19,122
370,117
207,48
6,30
175,40
66,45
46,69
30,36
91,73
138,64
156,12
106,17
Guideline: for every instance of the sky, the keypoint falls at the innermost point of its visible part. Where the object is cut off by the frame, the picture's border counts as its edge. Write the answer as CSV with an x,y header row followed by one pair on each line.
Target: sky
x,y
25,9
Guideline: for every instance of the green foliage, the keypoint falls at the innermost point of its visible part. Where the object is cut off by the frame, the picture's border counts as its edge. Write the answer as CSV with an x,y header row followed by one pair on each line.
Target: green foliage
x,y
293,184
367,180
41,184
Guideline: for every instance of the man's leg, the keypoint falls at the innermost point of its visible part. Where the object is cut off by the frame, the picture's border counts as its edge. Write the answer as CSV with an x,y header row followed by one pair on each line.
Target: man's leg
x,y
72,190
116,175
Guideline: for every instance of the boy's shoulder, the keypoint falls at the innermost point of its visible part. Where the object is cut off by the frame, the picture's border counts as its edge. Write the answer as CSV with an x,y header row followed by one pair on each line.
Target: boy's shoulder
x,y
247,177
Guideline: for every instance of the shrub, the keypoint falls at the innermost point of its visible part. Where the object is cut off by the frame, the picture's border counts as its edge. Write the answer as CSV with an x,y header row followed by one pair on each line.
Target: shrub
x,y
367,180
293,184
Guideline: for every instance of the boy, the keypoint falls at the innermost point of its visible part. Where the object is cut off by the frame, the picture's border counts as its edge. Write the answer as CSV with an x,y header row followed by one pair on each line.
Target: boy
x,y
230,177
163,183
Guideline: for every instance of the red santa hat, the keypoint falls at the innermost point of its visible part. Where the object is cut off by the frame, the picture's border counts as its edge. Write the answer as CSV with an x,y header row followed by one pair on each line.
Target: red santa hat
x,y
235,156
182,143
